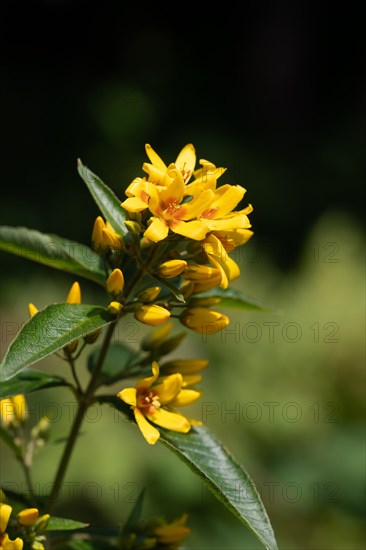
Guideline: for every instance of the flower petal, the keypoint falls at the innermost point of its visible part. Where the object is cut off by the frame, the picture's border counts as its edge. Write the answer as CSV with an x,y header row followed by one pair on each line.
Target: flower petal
x,y
5,513
128,395
154,157
150,433
184,366
200,202
147,382
169,388
195,230
170,420
186,161
157,230
134,204
185,397
228,196
228,223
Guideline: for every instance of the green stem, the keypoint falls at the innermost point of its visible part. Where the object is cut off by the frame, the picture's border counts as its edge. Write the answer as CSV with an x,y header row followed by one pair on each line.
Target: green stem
x,y
85,400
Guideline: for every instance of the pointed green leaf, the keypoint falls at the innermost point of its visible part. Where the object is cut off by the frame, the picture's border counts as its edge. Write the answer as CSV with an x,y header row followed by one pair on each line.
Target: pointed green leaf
x,y
116,363
232,297
134,517
107,201
28,381
212,462
53,251
228,480
63,524
50,330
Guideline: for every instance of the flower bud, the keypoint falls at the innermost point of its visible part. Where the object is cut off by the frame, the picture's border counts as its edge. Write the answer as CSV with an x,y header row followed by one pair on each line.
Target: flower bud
x,y
152,315
133,227
104,237
27,517
204,302
115,282
203,320
200,272
74,295
171,268
92,336
115,308
153,341
149,294
32,310
111,239
42,522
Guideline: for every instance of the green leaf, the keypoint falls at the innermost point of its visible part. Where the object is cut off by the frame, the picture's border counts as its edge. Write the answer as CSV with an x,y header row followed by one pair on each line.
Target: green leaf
x,y
63,524
232,297
228,480
116,363
212,462
173,289
28,381
50,330
134,517
107,201
53,251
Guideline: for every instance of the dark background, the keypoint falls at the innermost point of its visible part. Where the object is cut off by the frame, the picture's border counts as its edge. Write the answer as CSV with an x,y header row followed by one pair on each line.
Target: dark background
x,y
275,92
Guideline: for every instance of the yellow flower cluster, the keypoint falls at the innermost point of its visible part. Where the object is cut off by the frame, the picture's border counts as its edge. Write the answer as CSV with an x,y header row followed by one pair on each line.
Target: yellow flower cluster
x,y
199,210
27,523
182,208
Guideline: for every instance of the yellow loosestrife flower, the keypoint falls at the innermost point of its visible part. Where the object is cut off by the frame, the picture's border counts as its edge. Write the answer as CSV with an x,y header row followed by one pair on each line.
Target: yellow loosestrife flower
x,y
152,315
13,410
149,294
164,193
28,516
204,320
152,401
171,268
74,295
115,282
104,237
5,542
188,368
32,310
171,535
115,308
221,260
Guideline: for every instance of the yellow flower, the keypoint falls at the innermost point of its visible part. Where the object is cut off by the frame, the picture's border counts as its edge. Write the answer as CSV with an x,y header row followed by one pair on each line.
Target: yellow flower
x,y
115,308
221,260
152,315
204,320
115,282
171,535
158,171
171,212
152,399
5,542
13,410
27,517
203,277
188,368
171,268
149,294
32,310
104,237
74,295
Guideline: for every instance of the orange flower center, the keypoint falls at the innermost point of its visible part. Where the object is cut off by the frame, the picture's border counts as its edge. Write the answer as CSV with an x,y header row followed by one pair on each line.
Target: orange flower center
x,y
209,214
148,401
173,211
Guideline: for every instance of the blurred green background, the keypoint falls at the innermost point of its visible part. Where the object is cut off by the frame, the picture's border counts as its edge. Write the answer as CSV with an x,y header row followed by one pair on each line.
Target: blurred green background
x,y
277,97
